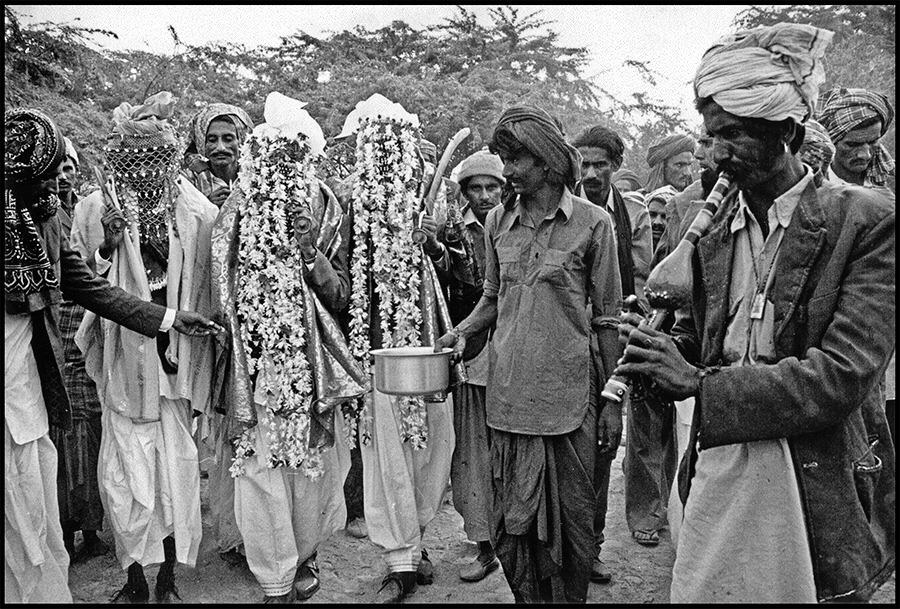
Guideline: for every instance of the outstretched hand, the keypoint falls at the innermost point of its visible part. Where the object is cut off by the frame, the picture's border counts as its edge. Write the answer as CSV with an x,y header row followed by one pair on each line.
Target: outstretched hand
x,y
192,323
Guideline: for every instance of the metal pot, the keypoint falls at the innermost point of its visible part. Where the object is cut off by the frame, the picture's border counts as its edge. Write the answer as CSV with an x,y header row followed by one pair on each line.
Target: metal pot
x,y
411,370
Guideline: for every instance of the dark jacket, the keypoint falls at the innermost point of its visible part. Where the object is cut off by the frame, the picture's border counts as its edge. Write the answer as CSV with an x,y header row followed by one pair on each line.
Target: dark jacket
x,y
833,295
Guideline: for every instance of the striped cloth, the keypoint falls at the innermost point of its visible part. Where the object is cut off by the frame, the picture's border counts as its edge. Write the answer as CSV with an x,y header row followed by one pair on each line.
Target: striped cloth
x,y
79,386
843,110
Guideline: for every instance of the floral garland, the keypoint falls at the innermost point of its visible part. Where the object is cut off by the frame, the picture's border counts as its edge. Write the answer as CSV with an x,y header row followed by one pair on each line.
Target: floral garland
x,y
278,177
385,205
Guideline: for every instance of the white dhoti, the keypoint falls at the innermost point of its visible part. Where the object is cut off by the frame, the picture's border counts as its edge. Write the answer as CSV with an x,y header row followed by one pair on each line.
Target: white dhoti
x,y
403,487
37,564
221,490
283,515
150,484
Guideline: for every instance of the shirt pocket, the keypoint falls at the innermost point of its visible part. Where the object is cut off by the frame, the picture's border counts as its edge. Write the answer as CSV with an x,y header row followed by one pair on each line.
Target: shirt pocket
x,y
557,268
510,268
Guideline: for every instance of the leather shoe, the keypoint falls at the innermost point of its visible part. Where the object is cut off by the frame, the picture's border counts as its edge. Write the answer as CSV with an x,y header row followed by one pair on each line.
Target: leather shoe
x,y
306,582
478,570
425,570
599,573
396,586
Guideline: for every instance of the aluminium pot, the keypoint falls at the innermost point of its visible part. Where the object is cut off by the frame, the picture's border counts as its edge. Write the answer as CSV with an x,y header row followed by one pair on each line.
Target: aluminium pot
x,y
411,370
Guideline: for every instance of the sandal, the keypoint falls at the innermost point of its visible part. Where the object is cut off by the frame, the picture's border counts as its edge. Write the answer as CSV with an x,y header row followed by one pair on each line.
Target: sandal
x,y
646,538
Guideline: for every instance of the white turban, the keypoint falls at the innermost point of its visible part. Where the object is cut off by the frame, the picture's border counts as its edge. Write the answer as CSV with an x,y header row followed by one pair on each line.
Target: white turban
x,y
376,105
771,72
286,117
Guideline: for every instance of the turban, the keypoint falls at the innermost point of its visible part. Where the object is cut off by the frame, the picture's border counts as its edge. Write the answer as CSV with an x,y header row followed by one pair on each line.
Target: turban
x,y
665,149
33,146
285,117
540,134
843,110
70,151
376,105
630,176
664,193
201,121
771,72
817,147
147,119
482,163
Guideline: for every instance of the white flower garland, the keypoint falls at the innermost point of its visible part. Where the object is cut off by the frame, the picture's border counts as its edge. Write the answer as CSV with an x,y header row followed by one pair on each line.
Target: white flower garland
x,y
278,177
385,206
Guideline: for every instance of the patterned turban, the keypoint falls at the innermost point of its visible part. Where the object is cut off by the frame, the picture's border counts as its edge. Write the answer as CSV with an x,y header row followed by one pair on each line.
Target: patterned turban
x,y
665,149
33,146
817,148
217,111
540,134
843,110
771,72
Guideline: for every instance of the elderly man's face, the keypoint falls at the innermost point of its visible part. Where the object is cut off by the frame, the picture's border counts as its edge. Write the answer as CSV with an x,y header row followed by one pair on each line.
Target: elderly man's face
x,y
853,154
483,194
222,144
523,171
67,176
741,150
596,171
677,170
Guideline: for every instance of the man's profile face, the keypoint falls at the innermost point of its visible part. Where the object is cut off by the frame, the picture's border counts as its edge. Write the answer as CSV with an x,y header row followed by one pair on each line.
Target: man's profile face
x,y
677,170
523,171
596,171
67,176
483,194
853,154
222,145
741,150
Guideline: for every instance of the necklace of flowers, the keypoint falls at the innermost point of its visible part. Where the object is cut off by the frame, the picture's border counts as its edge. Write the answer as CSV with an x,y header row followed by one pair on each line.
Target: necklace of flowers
x,y
385,206
278,177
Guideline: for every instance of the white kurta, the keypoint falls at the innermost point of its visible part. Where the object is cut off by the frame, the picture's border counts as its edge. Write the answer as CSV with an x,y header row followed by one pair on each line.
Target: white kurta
x,y
403,487
35,559
282,514
743,537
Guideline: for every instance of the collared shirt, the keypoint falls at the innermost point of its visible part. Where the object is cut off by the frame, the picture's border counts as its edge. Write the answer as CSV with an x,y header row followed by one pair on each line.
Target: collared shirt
x,y
552,283
749,337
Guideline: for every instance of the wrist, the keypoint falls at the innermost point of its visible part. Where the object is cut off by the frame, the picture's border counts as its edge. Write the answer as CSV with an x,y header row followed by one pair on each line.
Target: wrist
x,y
309,256
436,251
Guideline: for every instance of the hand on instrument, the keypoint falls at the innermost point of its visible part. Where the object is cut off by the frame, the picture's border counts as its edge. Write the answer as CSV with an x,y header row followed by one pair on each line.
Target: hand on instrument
x,y
654,354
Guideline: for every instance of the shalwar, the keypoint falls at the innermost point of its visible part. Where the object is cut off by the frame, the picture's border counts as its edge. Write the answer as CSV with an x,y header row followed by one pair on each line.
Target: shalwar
x,y
403,487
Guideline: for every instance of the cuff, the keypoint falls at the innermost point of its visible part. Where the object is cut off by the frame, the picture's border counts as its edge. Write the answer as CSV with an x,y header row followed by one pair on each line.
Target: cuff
x,y
102,264
168,320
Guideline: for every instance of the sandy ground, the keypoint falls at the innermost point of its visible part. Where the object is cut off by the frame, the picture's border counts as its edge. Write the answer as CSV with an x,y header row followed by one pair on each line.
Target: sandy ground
x,y
351,569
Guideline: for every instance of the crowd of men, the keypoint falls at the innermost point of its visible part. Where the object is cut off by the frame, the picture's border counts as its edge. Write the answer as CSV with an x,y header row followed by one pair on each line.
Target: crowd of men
x,y
759,415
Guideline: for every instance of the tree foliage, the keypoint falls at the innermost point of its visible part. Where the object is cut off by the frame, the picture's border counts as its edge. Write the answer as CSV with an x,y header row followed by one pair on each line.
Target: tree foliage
x,y
862,53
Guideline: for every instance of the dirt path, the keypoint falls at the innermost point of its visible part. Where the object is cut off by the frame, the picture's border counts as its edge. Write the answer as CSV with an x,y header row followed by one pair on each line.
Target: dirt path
x,y
351,569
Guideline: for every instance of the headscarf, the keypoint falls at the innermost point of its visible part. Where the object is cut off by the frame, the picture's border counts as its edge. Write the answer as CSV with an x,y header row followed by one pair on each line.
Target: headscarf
x,y
33,148
842,110
665,149
540,134
817,148
217,111
482,163
627,174
287,116
149,118
771,72
70,151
